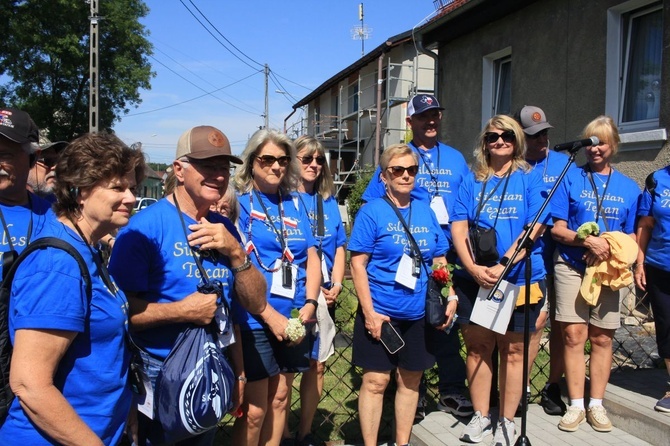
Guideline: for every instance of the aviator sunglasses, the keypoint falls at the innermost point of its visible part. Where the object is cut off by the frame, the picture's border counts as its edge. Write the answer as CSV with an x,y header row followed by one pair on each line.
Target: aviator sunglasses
x,y
307,160
398,171
269,160
492,137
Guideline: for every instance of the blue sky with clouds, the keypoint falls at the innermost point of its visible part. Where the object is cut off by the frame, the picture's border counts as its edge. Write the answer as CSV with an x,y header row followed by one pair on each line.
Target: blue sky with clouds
x,y
215,76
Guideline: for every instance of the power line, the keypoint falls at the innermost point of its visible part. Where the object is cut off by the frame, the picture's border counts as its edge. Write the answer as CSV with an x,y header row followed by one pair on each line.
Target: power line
x,y
215,38
200,88
192,99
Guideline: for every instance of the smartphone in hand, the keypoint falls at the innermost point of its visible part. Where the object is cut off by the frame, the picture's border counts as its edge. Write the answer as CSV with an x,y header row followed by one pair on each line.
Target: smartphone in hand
x,y
391,339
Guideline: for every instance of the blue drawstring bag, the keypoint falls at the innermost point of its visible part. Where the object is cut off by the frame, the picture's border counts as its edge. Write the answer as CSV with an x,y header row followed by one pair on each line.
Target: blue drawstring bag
x,y
194,387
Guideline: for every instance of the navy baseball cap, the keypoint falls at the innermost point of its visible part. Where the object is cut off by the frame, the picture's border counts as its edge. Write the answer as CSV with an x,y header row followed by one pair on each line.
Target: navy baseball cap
x,y
422,102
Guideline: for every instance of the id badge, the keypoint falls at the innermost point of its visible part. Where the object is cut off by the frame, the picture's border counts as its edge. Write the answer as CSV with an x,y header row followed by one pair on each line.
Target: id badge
x,y
145,402
441,212
280,278
405,274
324,270
225,327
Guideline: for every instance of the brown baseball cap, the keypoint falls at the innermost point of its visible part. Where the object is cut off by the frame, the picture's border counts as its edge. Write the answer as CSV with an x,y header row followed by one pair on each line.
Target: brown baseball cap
x,y
204,142
533,120
18,126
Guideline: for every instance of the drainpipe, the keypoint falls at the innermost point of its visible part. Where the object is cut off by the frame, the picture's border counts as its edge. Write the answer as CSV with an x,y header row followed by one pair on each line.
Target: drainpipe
x,y
287,118
418,40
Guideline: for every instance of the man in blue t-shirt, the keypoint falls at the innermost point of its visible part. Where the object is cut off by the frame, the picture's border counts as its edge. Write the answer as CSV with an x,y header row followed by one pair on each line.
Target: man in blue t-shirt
x,y
159,259
441,170
550,164
22,214
42,176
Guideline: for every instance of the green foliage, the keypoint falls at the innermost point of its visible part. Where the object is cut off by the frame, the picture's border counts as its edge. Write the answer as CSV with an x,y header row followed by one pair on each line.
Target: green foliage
x,y
588,228
45,56
159,167
356,192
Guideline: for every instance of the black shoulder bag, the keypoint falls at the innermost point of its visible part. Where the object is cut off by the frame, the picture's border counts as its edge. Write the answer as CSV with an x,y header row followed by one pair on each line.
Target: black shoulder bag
x,y
483,241
436,304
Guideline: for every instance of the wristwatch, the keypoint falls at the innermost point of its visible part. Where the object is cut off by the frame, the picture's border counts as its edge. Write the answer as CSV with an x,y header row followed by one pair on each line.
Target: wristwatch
x,y
504,261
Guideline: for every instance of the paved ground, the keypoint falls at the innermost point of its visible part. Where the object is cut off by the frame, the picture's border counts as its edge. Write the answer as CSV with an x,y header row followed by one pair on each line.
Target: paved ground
x,y
439,429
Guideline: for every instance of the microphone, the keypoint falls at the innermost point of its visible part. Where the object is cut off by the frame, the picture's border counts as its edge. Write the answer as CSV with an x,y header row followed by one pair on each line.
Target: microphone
x,y
573,146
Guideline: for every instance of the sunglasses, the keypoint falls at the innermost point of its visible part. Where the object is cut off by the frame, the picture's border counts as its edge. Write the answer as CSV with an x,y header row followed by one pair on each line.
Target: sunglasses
x,y
492,137
208,166
398,171
307,160
48,162
540,134
269,160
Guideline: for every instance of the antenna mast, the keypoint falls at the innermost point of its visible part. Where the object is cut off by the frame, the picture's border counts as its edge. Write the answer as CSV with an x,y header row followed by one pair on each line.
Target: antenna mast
x,y
361,32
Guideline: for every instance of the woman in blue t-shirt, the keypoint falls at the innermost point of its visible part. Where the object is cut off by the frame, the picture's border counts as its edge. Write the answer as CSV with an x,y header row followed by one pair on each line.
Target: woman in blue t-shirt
x,y
593,193
315,194
502,195
70,361
280,243
391,278
652,270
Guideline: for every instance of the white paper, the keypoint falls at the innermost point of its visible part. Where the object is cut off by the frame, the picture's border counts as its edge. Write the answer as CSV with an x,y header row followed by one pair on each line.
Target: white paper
x,y
324,269
404,274
145,402
496,313
441,212
277,277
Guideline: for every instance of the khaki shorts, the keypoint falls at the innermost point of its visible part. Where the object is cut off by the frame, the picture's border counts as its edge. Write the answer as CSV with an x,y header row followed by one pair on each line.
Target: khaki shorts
x,y
571,306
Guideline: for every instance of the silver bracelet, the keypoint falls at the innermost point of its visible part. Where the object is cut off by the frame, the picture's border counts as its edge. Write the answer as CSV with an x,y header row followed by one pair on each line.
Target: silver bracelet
x,y
246,265
452,298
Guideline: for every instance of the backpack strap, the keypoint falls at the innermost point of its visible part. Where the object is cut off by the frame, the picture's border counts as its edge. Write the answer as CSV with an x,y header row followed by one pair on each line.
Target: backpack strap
x,y
53,242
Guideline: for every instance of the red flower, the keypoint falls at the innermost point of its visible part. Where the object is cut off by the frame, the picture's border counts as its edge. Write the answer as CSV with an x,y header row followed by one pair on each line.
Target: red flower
x,y
442,275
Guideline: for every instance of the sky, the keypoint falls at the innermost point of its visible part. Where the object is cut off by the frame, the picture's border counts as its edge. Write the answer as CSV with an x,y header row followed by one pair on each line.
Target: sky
x,y
213,74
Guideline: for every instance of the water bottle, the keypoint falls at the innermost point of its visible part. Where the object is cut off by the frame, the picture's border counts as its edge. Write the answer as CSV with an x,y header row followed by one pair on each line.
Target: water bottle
x,y
453,322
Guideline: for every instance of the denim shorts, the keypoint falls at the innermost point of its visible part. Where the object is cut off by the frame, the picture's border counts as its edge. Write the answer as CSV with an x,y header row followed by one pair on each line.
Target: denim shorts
x,y
150,432
265,356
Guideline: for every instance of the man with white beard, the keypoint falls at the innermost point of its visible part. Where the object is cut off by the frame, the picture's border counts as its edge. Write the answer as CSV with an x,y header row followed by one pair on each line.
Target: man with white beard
x,y
22,213
42,176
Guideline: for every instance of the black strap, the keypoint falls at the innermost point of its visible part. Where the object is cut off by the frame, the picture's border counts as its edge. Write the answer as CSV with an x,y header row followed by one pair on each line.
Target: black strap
x,y
320,226
47,242
415,248
483,200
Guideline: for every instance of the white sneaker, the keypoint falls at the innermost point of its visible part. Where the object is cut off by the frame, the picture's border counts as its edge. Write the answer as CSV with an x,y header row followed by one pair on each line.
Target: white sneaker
x,y
505,433
478,427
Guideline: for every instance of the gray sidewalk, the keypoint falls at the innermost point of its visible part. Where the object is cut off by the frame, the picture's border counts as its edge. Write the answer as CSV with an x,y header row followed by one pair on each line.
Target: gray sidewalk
x,y
631,396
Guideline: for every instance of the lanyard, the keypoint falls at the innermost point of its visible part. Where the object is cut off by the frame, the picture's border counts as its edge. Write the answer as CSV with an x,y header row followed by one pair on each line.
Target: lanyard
x,y
433,178
281,235
30,225
482,201
599,201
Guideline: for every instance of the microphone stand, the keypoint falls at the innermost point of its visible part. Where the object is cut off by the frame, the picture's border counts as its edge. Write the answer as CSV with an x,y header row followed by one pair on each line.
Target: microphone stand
x,y
526,242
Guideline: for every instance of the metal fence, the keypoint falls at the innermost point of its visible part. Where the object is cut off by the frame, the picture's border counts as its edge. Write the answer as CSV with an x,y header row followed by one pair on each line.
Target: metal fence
x,y
336,421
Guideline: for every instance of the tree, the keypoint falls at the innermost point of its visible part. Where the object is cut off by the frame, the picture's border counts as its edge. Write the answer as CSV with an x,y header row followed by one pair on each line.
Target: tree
x,y
45,61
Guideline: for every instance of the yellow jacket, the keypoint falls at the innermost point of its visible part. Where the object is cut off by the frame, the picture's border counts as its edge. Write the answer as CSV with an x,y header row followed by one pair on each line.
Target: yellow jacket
x,y
613,272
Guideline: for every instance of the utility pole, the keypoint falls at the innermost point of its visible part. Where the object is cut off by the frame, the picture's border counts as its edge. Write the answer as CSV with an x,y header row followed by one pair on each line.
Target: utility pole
x,y
267,107
93,69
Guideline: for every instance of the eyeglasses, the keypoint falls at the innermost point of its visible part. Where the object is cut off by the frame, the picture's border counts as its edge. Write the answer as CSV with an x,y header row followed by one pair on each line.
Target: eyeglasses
x,y
207,165
539,134
307,160
269,160
398,171
48,162
492,137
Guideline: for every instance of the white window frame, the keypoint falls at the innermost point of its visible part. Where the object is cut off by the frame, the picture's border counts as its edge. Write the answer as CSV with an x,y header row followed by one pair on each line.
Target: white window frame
x,y
640,134
489,74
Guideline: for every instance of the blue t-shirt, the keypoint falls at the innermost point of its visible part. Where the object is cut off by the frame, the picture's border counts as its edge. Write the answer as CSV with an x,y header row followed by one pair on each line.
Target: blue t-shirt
x,y
152,257
19,218
379,233
441,171
658,206
522,201
334,233
48,293
550,168
260,224
575,203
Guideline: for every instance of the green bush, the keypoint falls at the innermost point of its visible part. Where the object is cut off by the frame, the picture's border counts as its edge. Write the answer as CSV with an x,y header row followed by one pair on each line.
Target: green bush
x,y
356,192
